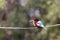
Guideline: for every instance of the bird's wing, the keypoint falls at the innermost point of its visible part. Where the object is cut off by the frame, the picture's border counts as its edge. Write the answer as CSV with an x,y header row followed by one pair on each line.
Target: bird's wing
x,y
40,23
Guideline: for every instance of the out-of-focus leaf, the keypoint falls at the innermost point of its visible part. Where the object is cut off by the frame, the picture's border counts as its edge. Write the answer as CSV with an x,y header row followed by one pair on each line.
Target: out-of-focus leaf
x,y
2,4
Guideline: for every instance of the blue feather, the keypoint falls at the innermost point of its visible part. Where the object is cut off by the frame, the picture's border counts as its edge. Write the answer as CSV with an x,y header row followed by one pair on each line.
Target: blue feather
x,y
40,23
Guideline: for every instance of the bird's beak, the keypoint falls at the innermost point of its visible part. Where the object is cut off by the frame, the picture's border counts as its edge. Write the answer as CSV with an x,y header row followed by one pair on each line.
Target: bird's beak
x,y
31,21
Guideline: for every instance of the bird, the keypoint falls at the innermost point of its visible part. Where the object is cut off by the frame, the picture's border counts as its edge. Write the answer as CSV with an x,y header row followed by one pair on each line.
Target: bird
x,y
38,24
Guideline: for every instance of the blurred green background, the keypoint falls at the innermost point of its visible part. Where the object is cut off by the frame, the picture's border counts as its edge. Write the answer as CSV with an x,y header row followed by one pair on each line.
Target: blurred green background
x,y
17,13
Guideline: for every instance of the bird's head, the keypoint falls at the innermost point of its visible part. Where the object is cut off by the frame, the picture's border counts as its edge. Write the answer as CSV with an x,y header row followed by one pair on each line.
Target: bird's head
x,y
36,19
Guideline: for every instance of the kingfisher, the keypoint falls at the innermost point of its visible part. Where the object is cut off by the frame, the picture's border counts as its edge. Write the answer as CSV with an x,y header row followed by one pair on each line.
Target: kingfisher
x,y
38,23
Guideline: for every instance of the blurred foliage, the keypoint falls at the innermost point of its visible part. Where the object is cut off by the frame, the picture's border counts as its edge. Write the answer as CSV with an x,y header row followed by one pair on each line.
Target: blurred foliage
x,y
18,16
2,4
